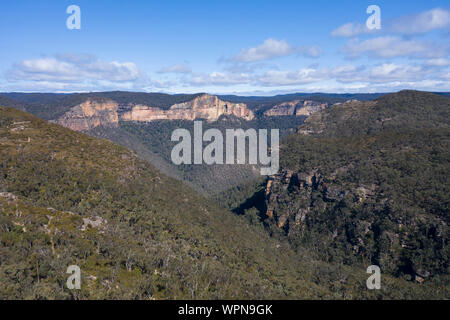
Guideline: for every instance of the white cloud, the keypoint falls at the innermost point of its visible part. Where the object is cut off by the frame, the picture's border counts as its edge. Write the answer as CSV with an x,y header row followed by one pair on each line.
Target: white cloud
x,y
384,73
355,78
407,25
247,68
176,68
309,51
289,78
218,78
394,71
440,62
393,46
348,74
423,22
273,48
72,68
63,87
350,30
73,73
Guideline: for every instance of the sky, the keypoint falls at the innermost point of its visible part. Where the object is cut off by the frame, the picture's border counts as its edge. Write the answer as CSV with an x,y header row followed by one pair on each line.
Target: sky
x,y
241,47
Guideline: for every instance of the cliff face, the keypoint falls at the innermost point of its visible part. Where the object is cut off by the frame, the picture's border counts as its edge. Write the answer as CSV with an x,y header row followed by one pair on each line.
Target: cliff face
x,y
211,108
296,107
361,182
356,221
91,113
203,107
300,191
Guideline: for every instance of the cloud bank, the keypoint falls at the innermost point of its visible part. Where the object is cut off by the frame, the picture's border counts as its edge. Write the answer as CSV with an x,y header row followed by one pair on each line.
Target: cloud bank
x,y
273,48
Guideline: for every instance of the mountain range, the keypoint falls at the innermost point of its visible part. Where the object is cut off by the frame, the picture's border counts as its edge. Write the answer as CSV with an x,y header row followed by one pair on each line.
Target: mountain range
x,y
138,121
363,181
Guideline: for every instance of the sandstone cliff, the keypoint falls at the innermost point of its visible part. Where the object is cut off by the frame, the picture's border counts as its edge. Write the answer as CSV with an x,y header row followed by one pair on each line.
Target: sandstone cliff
x,y
203,107
90,114
295,107
93,113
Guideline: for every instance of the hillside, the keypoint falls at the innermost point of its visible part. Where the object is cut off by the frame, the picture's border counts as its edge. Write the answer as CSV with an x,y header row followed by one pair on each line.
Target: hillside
x,y
366,182
152,142
52,179
140,122
67,198
259,105
413,110
50,106
5,101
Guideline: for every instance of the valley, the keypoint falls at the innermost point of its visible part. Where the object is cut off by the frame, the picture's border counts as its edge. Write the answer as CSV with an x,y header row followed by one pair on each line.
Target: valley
x,y
144,123
361,183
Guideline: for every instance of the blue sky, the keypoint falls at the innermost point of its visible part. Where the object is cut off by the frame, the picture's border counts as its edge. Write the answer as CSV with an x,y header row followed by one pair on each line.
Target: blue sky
x,y
241,47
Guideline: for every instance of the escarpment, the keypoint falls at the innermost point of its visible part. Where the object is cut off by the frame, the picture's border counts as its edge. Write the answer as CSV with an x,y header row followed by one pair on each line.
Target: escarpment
x,y
296,108
203,107
298,190
93,113
305,193
90,114
367,182
357,221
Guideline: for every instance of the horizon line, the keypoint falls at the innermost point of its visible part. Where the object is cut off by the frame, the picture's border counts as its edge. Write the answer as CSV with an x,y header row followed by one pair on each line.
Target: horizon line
x,y
219,94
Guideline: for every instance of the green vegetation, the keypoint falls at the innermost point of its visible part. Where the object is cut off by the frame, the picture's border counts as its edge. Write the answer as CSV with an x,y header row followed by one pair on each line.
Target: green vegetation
x,y
261,104
152,142
5,101
51,106
145,250
377,194
405,110
369,184
157,239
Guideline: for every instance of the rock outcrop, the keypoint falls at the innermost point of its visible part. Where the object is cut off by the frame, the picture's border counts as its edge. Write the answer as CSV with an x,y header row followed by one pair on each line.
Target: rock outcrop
x,y
93,113
295,107
90,114
203,107
279,189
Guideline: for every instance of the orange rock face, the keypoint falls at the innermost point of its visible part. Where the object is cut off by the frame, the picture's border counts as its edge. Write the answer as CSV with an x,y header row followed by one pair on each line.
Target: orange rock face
x,y
91,114
203,107
145,113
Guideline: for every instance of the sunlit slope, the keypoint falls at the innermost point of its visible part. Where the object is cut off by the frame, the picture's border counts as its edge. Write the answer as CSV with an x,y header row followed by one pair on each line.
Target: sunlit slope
x,y
155,237
69,199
